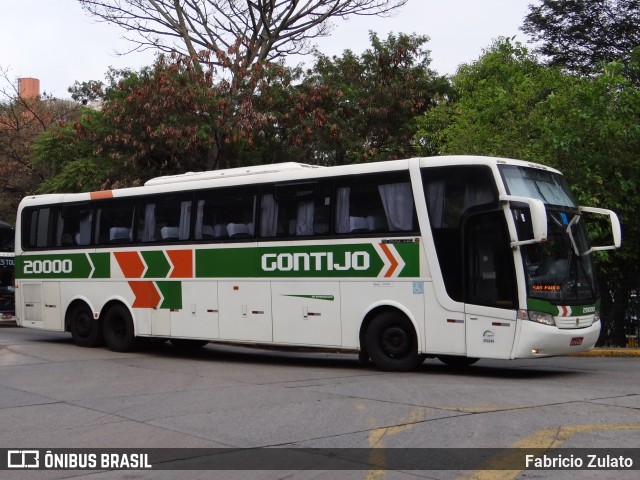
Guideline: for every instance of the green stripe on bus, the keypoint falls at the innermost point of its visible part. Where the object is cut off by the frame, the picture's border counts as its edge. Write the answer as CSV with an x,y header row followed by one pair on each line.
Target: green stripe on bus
x,y
157,264
171,294
101,265
366,260
544,306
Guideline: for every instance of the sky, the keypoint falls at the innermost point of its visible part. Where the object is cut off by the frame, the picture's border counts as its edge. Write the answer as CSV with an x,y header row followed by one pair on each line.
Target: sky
x,y
58,43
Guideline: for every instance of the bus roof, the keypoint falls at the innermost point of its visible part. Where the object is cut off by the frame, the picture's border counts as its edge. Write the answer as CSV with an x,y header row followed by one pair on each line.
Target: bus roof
x,y
230,172
287,171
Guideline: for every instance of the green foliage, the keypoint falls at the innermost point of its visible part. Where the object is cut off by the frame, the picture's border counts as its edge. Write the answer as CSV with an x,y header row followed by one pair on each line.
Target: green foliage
x,y
369,102
68,161
488,111
583,35
177,116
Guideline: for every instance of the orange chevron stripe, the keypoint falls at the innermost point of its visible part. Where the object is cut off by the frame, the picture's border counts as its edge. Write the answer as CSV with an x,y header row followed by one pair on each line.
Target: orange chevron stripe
x,y
392,259
130,263
182,261
146,294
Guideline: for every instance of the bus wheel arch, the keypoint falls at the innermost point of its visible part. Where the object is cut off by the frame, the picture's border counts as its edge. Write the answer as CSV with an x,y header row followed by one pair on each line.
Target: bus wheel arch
x,y
118,328
86,330
390,339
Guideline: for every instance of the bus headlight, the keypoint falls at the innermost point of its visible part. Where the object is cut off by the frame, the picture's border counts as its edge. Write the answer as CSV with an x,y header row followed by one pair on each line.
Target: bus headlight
x,y
543,318
596,316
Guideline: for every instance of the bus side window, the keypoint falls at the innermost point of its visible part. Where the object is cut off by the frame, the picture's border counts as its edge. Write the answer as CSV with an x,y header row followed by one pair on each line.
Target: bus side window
x,y
225,214
165,219
38,227
375,204
114,222
295,210
74,225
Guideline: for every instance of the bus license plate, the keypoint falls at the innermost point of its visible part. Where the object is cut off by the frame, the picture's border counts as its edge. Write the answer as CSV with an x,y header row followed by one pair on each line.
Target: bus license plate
x,y
576,341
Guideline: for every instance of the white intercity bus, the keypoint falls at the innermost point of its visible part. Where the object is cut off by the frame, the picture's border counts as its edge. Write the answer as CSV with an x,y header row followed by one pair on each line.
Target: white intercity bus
x,y
458,258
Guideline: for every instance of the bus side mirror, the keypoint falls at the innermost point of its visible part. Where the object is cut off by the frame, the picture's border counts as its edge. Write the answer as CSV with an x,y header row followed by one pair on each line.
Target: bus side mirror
x,y
538,219
615,228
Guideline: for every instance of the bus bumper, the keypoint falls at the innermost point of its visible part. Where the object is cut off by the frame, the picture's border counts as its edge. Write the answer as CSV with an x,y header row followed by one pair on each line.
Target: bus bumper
x,y
537,340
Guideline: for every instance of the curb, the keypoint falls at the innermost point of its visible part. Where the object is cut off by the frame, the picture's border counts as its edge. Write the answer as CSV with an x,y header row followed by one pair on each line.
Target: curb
x,y
609,352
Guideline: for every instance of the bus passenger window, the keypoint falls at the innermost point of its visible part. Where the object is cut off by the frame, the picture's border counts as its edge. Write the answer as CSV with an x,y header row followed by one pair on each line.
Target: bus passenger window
x,y
295,210
225,214
38,227
114,221
74,225
375,204
165,219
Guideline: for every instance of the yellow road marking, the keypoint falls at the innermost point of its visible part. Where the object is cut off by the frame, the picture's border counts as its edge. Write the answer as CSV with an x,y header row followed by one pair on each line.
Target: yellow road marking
x,y
378,435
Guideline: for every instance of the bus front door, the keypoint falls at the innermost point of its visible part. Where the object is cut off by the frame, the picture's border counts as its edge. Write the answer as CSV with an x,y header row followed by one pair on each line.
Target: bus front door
x,y
490,287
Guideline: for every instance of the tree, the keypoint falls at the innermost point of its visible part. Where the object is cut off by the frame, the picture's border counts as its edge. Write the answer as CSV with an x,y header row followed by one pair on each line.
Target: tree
x,y
251,30
582,35
21,121
347,109
165,119
162,120
236,36
488,110
373,99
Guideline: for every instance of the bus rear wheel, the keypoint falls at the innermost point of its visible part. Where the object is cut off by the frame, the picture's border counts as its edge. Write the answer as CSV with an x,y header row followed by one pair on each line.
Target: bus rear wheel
x,y
85,330
392,343
119,334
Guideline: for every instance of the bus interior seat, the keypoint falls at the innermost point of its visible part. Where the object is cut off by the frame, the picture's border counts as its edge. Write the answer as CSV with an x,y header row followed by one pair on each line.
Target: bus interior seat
x,y
208,232
119,235
169,233
376,223
358,224
220,231
238,230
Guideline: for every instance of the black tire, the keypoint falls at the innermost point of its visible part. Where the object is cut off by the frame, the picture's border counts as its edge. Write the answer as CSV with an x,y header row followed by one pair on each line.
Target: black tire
x,y
392,343
118,331
456,361
185,345
86,331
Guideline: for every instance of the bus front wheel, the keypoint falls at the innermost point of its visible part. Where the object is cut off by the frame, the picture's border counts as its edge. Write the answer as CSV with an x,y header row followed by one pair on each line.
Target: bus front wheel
x,y
119,334
392,343
85,330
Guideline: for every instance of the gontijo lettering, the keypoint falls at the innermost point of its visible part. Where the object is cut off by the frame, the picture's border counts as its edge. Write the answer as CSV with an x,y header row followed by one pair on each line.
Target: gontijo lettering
x,y
315,261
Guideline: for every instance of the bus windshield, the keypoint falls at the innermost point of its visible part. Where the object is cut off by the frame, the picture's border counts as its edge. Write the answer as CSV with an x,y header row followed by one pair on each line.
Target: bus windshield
x,y
555,271
545,185
558,270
